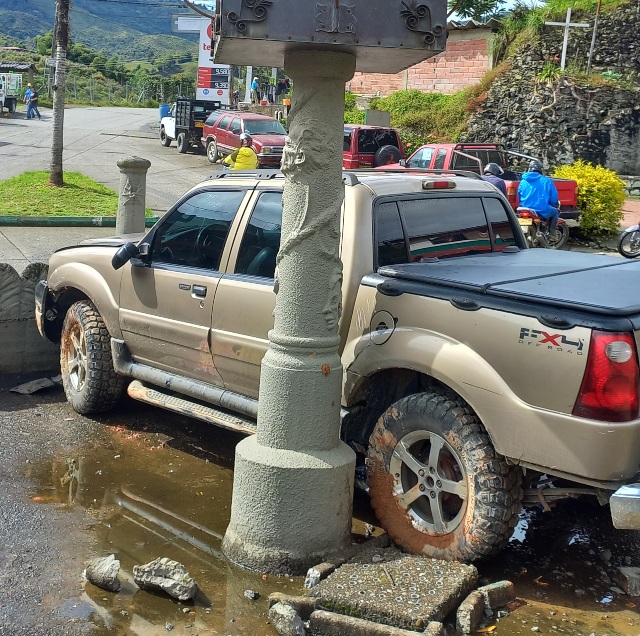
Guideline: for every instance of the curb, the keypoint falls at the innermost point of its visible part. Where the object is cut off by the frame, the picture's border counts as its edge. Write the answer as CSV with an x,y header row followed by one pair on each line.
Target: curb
x,y
67,221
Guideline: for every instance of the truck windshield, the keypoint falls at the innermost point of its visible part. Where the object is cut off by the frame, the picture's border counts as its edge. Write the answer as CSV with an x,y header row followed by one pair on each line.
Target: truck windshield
x,y
264,127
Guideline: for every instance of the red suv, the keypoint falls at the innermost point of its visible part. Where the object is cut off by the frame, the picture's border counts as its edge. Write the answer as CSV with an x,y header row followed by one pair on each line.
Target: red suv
x,y
370,146
222,130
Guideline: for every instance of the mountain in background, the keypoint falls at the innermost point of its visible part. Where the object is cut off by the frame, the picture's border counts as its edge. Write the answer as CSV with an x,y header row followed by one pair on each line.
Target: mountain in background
x,y
133,30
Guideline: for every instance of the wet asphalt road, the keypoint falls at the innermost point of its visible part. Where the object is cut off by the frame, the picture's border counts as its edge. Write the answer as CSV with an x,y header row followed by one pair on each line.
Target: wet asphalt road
x,y
153,484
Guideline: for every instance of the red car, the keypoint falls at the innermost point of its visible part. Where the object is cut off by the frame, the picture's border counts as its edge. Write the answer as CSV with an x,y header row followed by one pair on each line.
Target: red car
x,y
363,146
222,130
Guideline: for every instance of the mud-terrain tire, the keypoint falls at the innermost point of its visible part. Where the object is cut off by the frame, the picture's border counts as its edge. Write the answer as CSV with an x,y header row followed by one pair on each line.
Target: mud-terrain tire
x,y
182,143
384,153
212,151
463,498
89,379
164,139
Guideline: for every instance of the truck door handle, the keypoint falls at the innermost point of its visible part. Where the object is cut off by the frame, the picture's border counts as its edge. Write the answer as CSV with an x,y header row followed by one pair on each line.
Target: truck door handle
x,y
199,290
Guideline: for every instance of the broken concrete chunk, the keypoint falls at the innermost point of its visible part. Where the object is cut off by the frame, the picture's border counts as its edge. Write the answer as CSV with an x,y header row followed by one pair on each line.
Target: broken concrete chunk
x,y
330,624
470,613
497,594
629,580
103,572
168,576
303,605
317,574
252,595
286,621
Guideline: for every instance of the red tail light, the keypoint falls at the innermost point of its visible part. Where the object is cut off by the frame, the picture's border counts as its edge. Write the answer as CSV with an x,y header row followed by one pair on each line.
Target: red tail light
x,y
512,191
610,386
525,214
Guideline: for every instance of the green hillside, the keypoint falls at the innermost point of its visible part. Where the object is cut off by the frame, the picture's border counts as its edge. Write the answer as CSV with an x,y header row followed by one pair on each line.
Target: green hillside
x,y
103,26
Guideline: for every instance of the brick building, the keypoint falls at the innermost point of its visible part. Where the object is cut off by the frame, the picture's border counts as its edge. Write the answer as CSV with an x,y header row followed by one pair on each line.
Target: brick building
x,y
463,64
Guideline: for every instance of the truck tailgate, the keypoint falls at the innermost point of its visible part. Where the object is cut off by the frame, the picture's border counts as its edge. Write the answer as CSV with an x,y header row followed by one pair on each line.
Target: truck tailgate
x,y
588,282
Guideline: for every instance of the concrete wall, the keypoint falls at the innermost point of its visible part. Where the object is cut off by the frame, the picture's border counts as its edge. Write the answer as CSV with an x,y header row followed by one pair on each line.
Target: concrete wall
x,y
22,348
463,64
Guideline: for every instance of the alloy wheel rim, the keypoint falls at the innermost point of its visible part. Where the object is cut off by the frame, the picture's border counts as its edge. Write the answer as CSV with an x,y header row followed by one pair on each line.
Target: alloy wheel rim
x,y
77,360
429,482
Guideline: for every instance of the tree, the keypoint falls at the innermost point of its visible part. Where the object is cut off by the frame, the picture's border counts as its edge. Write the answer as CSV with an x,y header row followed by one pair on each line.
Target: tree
x,y
475,9
62,43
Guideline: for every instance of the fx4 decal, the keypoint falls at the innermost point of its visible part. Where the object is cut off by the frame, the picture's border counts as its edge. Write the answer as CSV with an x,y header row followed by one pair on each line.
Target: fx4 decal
x,y
554,341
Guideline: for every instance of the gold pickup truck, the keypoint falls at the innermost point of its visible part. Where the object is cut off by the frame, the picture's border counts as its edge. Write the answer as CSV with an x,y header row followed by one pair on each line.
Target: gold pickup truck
x,y
478,375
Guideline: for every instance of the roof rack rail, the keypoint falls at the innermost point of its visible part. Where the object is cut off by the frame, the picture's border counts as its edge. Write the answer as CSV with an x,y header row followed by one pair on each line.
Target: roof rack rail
x,y
265,173
350,177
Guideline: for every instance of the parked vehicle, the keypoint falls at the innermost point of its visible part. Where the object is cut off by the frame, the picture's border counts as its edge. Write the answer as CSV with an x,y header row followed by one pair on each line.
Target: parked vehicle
x,y
534,228
10,91
629,242
185,121
363,146
479,375
474,157
222,130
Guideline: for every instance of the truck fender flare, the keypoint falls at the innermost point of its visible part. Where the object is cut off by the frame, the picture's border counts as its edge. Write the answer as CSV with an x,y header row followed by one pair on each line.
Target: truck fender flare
x,y
452,363
92,284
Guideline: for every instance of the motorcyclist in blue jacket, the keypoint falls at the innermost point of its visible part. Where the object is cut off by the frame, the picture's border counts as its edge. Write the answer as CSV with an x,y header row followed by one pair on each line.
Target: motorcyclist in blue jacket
x,y
539,193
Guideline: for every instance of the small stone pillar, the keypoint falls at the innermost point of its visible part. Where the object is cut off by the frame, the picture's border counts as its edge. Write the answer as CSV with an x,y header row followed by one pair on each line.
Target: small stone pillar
x,y
131,201
293,480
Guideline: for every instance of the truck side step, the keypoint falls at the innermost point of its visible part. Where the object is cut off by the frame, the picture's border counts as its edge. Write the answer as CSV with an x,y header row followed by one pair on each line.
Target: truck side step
x,y
154,395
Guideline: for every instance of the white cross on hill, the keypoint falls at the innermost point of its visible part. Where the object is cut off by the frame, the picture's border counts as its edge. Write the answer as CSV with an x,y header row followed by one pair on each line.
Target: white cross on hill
x,y
567,25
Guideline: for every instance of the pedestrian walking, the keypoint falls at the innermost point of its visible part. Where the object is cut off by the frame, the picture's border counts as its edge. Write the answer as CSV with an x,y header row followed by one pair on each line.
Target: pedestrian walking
x,y
32,106
27,98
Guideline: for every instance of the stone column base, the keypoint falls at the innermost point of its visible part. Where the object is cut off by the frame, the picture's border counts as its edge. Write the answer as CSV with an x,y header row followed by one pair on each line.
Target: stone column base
x,y
292,504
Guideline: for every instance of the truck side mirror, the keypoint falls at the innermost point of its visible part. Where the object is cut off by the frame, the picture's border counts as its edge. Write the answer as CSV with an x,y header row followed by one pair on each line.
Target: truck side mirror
x,y
124,255
403,162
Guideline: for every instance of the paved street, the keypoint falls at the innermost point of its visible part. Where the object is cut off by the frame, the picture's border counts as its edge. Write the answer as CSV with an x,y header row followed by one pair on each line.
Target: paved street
x,y
94,139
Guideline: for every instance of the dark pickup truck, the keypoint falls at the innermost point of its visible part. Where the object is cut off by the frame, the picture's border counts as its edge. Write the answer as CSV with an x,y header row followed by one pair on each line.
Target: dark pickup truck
x,y
185,122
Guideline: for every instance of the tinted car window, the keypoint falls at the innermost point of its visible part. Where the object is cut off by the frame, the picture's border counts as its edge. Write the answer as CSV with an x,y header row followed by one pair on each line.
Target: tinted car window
x,y
236,126
421,159
392,248
369,140
440,157
194,234
346,144
484,155
261,240
224,122
264,127
501,227
445,227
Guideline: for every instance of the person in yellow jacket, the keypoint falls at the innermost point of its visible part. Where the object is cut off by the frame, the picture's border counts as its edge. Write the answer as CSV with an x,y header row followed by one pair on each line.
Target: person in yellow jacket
x,y
244,158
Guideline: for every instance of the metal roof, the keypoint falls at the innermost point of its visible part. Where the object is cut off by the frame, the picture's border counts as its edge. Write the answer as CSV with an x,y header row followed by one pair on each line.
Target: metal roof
x,y
17,66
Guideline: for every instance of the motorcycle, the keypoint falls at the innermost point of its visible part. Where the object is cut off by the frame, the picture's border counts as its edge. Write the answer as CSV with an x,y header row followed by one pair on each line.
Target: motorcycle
x,y
534,228
629,242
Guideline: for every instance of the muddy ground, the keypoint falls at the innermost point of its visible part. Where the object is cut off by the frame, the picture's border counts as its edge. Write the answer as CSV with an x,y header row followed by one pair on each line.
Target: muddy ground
x,y
142,483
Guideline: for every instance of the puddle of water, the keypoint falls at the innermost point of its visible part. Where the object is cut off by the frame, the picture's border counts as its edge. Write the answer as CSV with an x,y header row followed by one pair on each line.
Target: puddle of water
x,y
563,565
151,500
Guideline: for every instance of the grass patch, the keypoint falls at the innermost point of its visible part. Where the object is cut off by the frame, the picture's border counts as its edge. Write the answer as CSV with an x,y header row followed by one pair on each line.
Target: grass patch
x,y
30,194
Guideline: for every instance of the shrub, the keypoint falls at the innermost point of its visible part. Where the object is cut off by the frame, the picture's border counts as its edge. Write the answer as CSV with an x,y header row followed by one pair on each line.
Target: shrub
x,y
600,196
349,101
354,117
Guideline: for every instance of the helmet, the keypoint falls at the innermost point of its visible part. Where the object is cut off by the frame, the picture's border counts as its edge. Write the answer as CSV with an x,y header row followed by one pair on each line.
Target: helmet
x,y
536,166
494,169
246,136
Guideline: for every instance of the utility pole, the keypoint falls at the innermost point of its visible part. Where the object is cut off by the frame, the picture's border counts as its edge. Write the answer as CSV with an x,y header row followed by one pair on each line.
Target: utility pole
x,y
62,44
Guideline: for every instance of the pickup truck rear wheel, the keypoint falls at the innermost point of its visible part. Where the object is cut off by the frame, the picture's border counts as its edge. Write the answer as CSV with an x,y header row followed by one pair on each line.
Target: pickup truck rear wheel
x,y
436,483
182,143
89,379
164,140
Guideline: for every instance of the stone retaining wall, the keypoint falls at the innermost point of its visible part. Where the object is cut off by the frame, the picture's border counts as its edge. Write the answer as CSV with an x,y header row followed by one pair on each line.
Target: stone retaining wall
x,y
22,347
632,184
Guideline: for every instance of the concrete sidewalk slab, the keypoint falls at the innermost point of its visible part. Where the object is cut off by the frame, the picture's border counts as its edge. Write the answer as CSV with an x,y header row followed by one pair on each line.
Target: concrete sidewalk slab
x,y
20,246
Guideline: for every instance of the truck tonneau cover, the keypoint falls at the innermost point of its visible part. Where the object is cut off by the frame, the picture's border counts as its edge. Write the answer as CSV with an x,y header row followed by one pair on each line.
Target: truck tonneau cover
x,y
588,282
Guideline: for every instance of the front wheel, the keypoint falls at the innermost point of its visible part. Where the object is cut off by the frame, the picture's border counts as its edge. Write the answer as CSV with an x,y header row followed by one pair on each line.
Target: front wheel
x,y
436,483
89,379
182,143
212,151
629,244
164,139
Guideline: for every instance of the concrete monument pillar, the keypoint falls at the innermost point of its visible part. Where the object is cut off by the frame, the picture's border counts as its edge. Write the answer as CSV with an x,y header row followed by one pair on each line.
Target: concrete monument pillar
x,y
131,201
293,480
